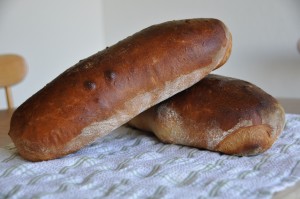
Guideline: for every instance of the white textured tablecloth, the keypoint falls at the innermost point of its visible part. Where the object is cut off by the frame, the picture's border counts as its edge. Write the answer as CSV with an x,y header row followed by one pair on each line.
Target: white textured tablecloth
x,y
131,164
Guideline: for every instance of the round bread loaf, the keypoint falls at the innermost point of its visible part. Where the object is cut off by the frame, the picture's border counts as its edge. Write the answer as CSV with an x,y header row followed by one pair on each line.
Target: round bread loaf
x,y
219,114
106,90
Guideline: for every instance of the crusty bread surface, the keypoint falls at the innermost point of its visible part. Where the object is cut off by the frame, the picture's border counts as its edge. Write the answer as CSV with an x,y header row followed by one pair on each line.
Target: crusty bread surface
x,y
107,89
219,114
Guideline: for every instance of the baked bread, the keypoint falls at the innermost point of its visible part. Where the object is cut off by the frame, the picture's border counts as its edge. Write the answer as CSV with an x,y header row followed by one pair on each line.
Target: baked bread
x,y
219,114
107,89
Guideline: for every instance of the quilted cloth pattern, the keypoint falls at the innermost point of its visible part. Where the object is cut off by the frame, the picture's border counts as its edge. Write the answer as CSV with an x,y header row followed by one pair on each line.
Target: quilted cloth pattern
x,y
129,163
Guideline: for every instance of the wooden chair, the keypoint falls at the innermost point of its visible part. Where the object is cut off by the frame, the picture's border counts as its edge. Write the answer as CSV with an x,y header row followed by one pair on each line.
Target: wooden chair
x,y
12,70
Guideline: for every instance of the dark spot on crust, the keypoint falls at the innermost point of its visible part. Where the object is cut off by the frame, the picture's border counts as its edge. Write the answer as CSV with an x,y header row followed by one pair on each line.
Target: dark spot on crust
x,y
102,103
110,75
89,85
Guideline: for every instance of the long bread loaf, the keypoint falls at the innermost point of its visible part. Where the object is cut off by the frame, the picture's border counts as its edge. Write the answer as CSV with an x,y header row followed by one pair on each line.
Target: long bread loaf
x,y
109,88
219,114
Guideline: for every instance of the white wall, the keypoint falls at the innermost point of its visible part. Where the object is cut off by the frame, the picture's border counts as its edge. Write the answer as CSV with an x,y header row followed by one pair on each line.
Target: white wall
x,y
265,34
52,35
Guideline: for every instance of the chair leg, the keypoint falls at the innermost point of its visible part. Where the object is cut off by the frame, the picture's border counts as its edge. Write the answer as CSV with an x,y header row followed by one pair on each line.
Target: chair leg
x,y
9,98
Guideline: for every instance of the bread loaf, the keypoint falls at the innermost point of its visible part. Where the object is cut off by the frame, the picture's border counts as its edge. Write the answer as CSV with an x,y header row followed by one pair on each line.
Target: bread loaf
x,y
219,114
107,89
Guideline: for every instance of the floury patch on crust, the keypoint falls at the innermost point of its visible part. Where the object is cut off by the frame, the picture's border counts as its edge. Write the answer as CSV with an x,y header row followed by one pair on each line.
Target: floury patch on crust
x,y
134,107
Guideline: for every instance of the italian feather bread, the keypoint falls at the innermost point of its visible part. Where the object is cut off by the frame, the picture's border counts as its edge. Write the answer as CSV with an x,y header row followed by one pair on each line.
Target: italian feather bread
x,y
107,89
219,114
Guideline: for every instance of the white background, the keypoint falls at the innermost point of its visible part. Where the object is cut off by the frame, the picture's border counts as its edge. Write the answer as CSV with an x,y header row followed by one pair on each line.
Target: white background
x,y
54,35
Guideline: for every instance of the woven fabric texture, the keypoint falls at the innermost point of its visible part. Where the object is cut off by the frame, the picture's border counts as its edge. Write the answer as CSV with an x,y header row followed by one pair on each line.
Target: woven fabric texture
x,y
129,163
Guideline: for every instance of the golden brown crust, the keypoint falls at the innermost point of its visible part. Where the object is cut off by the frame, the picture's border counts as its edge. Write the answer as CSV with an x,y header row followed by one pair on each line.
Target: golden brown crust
x,y
250,140
218,113
102,92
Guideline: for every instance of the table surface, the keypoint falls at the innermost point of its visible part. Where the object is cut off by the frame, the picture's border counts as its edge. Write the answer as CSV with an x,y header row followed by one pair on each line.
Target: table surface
x,y
290,106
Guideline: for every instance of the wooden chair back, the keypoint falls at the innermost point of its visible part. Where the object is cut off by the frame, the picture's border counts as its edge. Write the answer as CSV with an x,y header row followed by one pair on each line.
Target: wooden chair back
x,y
12,71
